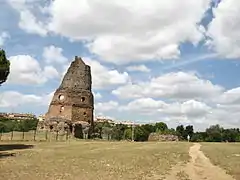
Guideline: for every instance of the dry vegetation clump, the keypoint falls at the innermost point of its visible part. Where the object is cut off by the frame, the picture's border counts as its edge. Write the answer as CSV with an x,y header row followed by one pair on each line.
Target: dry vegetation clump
x,y
225,155
84,160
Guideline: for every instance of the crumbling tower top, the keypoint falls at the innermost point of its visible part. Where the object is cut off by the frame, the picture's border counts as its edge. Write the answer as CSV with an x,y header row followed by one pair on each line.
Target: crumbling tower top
x,y
78,76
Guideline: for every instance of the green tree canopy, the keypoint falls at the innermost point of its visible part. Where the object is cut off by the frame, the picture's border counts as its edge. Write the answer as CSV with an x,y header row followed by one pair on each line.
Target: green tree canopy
x,y
4,67
161,127
188,131
180,131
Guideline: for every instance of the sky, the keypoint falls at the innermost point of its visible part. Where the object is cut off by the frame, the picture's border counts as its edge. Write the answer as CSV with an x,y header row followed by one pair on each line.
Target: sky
x,y
171,61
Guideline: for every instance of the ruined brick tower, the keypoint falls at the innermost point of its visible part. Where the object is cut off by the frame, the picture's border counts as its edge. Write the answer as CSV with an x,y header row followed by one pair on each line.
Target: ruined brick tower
x,y
72,102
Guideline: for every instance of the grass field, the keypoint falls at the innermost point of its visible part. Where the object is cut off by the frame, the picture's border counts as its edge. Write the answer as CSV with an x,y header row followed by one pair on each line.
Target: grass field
x,y
81,160
225,155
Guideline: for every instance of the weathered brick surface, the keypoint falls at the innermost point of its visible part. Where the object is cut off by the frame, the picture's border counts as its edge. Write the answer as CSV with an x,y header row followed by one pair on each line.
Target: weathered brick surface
x,y
162,137
73,100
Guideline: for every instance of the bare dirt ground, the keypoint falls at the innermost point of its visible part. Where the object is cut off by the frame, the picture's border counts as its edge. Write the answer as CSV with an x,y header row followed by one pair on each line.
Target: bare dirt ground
x,y
198,168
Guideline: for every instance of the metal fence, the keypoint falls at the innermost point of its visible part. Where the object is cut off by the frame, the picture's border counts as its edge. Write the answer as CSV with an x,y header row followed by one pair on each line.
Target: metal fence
x,y
42,135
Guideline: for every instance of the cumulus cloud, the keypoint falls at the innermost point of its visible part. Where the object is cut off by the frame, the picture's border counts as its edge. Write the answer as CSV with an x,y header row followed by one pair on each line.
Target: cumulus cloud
x,y
197,113
53,54
3,37
224,29
140,68
97,95
151,106
123,31
103,77
106,106
27,20
230,97
25,69
50,72
6,99
175,85
30,24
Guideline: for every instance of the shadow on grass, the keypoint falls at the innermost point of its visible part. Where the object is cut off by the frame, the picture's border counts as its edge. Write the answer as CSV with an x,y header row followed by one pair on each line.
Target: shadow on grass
x,y
9,147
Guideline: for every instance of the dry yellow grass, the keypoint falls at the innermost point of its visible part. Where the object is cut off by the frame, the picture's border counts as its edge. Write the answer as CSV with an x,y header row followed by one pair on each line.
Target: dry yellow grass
x,y
82,160
225,155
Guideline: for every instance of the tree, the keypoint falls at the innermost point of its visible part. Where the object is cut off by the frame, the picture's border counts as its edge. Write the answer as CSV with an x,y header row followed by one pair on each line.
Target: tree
x,y
118,131
230,135
171,131
161,127
4,67
188,131
128,134
98,128
140,134
107,131
148,127
214,133
180,131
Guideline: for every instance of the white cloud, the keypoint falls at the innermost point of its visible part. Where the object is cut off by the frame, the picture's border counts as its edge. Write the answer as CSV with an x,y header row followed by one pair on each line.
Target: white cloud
x,y
6,99
106,106
141,68
3,37
28,21
103,77
192,112
50,72
144,106
25,69
97,95
224,29
53,54
230,97
125,30
190,108
176,85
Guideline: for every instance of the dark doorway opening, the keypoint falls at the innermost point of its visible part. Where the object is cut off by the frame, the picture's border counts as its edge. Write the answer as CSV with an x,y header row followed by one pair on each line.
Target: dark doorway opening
x,y
78,131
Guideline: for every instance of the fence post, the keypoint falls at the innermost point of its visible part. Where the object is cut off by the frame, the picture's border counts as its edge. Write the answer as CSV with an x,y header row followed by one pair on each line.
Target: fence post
x,y
67,135
46,135
11,135
1,135
23,135
34,135
57,136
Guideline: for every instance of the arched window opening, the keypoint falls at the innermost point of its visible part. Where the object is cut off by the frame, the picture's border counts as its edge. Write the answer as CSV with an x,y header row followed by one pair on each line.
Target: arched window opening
x,y
61,109
61,97
82,99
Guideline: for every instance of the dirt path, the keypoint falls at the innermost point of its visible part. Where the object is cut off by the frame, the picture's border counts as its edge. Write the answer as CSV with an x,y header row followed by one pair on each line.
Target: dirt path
x,y
198,168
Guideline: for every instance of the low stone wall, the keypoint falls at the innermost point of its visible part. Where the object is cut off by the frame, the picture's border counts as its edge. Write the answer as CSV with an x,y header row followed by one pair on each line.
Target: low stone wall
x,y
162,137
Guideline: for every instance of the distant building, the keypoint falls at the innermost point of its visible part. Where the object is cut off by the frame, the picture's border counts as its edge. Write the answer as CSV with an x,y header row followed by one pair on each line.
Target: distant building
x,y
103,119
99,119
41,118
3,114
17,116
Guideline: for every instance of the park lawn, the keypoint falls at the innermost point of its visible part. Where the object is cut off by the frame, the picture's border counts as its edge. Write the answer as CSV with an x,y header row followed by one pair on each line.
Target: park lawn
x,y
86,160
225,155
